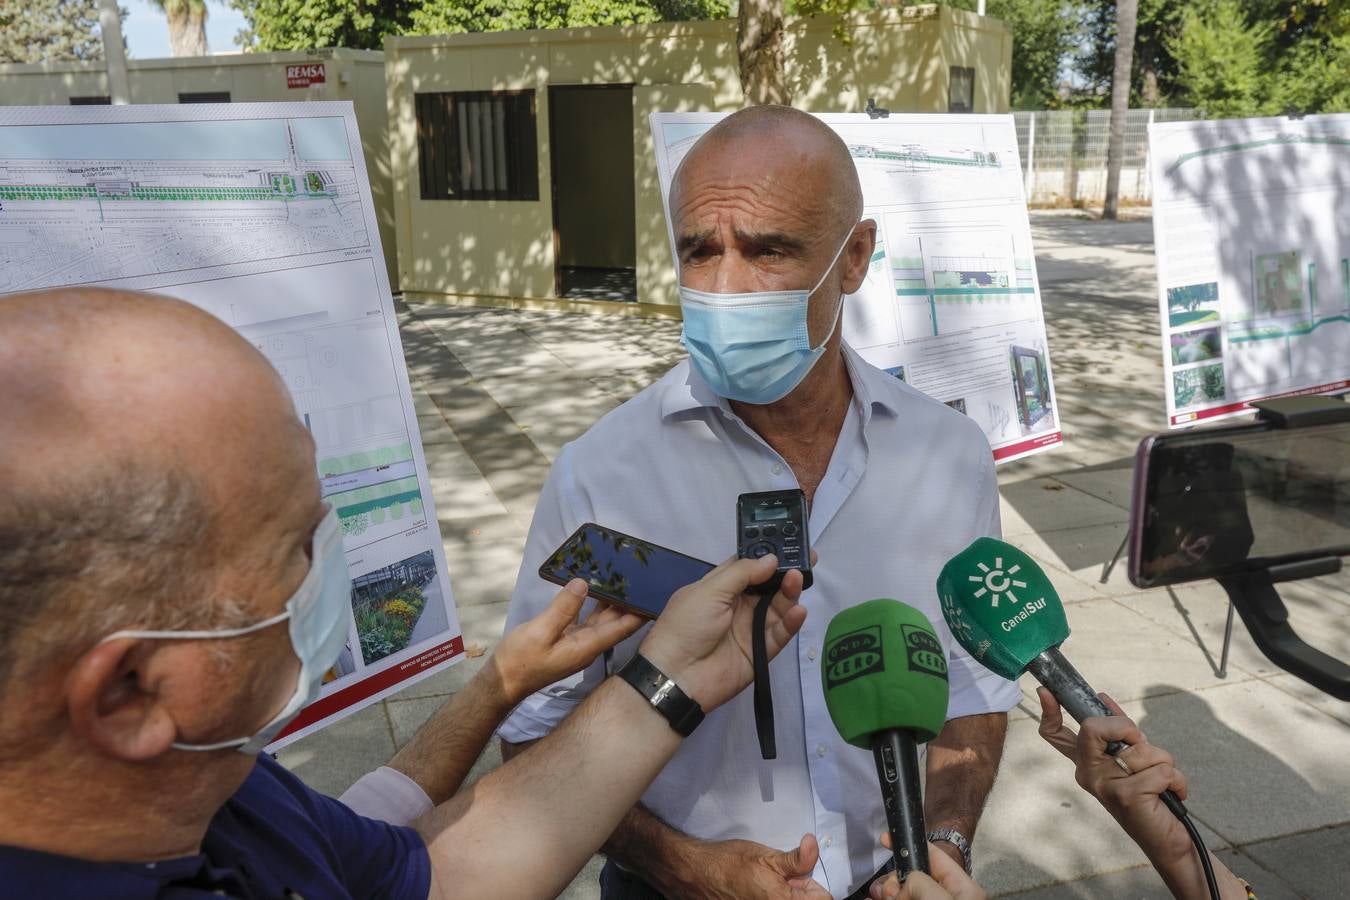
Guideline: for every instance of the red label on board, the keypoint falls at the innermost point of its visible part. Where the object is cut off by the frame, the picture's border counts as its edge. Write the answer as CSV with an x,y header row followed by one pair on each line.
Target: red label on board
x,y
304,76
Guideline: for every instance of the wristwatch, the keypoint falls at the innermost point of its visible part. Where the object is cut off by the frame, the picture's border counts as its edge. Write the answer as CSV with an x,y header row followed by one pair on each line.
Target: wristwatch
x,y
956,839
681,711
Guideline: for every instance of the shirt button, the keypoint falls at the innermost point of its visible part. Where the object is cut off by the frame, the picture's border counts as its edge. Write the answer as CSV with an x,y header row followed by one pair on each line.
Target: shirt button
x,y
811,653
777,468
829,841
821,749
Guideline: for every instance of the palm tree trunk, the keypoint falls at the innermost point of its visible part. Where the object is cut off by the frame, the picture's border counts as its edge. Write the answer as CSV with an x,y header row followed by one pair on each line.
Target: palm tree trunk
x,y
759,47
1127,14
187,27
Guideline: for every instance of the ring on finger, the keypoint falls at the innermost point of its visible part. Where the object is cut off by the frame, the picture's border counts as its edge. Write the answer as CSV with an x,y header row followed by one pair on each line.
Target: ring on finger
x,y
1124,766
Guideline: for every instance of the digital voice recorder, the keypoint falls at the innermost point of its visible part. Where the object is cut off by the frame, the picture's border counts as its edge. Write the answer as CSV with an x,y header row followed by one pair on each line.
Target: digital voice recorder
x,y
774,522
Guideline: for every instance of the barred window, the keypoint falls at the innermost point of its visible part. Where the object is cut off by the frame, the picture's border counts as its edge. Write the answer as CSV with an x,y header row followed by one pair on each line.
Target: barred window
x,y
961,89
477,145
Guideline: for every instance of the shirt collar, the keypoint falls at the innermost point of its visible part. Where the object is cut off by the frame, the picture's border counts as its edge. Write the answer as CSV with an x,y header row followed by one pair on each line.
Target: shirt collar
x,y
871,392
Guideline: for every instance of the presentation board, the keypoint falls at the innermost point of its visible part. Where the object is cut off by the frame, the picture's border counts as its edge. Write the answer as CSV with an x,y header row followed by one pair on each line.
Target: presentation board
x,y
260,214
951,304
1251,223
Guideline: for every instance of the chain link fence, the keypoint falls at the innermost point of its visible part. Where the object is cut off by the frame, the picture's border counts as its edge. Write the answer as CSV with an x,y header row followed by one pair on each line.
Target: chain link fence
x,y
1064,154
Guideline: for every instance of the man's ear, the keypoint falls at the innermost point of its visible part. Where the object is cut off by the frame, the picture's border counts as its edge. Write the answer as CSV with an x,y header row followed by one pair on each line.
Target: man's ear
x,y
858,255
111,709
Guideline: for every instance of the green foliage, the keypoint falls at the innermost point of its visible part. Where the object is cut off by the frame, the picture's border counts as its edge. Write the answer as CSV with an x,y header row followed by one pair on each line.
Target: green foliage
x,y
49,31
1221,60
364,24
310,24
1240,57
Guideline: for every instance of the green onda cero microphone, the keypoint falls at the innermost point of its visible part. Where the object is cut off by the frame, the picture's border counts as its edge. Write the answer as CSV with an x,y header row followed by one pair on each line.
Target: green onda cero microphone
x,y
885,680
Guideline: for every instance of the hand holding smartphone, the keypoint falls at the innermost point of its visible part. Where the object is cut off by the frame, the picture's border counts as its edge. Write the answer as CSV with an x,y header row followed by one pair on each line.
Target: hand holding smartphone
x,y
630,573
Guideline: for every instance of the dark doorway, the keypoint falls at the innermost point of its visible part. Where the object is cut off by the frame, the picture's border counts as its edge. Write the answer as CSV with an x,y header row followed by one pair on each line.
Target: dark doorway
x,y
591,152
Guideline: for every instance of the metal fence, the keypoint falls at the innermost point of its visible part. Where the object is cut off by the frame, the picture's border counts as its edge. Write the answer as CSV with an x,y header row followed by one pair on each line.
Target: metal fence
x,y
1064,154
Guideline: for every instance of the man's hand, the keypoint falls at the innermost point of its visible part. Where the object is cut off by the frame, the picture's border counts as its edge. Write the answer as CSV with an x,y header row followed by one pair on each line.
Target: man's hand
x,y
744,870
552,645
702,639
1132,797
949,880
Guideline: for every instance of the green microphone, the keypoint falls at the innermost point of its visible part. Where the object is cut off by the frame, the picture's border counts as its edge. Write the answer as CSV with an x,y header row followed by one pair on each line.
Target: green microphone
x,y
1004,611
885,680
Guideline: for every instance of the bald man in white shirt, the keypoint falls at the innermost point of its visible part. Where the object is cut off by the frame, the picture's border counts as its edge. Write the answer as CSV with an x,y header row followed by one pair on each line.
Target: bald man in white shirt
x,y
771,398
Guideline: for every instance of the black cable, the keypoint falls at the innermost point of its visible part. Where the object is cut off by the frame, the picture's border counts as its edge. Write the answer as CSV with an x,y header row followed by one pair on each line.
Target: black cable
x,y
1173,802
759,653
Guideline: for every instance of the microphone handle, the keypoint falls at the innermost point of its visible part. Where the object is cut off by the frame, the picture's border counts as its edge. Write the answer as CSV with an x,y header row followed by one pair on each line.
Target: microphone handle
x,y
897,757
1078,698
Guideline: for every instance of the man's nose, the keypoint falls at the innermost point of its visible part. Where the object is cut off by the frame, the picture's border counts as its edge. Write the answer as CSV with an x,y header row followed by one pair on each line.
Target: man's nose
x,y
732,275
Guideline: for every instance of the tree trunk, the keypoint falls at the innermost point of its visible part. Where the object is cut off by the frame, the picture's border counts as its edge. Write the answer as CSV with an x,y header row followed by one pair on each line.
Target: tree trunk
x,y
759,47
187,28
1127,13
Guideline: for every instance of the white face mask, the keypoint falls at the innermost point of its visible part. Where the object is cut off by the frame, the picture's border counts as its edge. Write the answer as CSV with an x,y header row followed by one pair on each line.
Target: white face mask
x,y
318,630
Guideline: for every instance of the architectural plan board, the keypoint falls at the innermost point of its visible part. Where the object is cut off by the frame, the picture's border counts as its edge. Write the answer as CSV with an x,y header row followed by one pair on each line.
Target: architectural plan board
x,y
1251,222
260,214
951,304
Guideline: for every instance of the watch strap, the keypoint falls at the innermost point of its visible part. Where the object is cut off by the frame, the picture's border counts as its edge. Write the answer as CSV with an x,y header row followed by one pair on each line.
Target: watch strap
x,y
681,711
957,840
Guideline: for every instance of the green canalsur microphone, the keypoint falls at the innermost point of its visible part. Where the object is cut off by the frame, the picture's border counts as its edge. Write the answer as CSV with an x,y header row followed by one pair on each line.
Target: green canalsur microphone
x,y
885,680
1004,611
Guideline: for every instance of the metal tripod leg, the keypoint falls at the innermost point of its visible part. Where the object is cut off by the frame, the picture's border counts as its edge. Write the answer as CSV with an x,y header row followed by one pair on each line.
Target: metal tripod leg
x,y
1227,642
1111,563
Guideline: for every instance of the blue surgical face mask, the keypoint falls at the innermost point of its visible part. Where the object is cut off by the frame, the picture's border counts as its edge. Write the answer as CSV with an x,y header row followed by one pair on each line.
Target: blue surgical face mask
x,y
753,347
318,628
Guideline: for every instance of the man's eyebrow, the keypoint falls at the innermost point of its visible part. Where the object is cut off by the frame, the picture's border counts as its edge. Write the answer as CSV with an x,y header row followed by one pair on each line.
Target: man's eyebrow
x,y
770,239
691,239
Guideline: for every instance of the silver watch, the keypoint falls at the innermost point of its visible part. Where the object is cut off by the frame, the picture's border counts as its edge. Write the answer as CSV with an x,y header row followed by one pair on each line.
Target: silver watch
x,y
956,839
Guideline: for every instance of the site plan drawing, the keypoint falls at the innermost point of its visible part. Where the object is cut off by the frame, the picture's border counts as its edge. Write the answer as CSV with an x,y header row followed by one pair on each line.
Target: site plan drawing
x,y
260,214
1251,221
951,304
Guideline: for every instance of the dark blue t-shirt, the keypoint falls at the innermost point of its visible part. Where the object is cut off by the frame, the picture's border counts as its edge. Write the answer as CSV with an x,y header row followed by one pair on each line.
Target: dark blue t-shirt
x,y
274,839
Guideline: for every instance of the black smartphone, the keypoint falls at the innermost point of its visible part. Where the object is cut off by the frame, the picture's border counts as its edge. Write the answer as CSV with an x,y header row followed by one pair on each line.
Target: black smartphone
x,y
629,572
1212,502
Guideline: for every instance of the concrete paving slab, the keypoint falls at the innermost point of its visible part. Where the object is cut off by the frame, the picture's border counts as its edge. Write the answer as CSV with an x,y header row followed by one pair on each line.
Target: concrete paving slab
x,y
1259,766
1039,827
484,556
1111,485
459,488
1315,863
434,431
1049,504
406,716
1130,656
1297,687
331,760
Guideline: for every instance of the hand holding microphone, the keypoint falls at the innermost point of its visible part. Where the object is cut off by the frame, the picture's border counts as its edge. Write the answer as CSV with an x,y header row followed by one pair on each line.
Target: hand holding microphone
x,y
1004,611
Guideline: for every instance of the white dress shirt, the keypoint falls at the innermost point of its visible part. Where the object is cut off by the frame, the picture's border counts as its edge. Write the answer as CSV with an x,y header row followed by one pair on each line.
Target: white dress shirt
x,y
910,484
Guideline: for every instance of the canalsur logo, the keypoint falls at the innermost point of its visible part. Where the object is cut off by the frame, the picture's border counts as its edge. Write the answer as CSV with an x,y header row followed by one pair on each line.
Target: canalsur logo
x,y
854,655
996,582
924,651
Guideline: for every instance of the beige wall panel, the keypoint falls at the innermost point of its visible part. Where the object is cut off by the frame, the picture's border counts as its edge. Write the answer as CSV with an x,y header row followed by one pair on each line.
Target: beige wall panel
x,y
681,59
591,62
509,67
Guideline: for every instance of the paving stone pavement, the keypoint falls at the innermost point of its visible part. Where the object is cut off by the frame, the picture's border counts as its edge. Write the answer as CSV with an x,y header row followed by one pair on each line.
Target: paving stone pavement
x,y
498,392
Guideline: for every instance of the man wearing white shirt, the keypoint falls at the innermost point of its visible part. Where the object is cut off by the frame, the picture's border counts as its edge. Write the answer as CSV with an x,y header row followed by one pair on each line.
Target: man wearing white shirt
x,y
765,206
